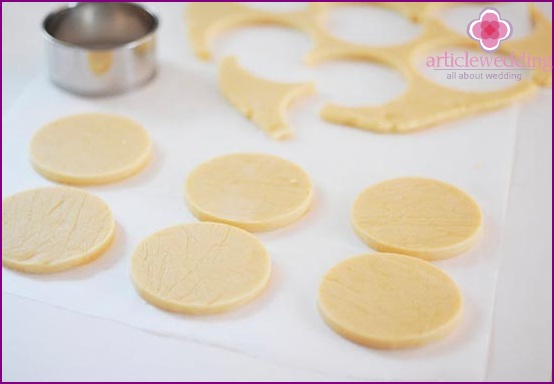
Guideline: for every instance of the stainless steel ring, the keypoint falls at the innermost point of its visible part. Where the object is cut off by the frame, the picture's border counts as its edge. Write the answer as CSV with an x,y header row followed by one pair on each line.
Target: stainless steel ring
x,y
98,49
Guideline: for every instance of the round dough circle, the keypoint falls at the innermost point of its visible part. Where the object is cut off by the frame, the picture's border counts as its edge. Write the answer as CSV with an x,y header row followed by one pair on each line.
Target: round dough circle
x,y
200,268
256,192
90,149
418,217
385,300
52,229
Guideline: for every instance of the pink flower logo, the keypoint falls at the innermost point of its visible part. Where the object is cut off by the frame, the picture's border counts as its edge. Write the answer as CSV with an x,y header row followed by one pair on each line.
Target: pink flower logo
x,y
489,29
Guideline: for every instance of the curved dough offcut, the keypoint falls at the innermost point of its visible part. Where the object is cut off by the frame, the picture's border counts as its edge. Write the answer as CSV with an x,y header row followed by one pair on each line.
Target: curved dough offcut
x,y
417,217
424,103
263,101
385,300
90,149
200,268
255,192
52,229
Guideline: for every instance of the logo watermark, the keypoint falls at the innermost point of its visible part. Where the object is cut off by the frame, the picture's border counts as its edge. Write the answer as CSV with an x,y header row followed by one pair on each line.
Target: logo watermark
x,y
490,30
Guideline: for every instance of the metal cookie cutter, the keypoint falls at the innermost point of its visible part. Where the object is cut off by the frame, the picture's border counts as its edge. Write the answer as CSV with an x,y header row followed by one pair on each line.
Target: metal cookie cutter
x,y
97,49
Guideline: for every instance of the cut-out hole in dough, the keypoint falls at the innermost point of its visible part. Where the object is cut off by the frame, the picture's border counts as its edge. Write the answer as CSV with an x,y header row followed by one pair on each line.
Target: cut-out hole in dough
x,y
478,79
287,6
282,62
358,83
546,9
362,24
424,104
458,17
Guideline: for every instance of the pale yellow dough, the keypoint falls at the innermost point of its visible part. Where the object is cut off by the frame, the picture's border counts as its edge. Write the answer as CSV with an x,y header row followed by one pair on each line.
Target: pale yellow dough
x,y
388,301
200,268
424,103
418,217
263,101
255,192
52,229
90,149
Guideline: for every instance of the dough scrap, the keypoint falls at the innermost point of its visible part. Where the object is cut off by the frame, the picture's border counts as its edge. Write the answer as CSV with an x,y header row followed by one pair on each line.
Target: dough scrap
x,y
200,268
425,103
418,11
256,192
418,217
90,149
537,44
207,20
52,229
263,101
388,301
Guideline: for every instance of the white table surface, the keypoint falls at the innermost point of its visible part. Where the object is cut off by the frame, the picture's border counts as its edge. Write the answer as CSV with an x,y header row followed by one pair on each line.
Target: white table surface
x,y
64,345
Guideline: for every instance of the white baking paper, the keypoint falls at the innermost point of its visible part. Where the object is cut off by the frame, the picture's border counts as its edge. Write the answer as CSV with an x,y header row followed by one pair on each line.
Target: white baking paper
x,y
190,122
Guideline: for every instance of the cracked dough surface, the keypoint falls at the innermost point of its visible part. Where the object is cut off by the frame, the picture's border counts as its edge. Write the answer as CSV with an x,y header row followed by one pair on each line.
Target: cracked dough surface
x,y
200,268
419,217
262,101
256,192
90,149
385,300
52,229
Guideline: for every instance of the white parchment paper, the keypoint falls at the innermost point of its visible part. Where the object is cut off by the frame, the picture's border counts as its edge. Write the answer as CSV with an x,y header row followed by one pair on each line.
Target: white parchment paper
x,y
190,122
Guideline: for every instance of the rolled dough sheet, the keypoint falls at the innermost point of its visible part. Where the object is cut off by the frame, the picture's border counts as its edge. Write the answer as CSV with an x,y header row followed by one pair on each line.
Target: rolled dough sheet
x,y
52,229
256,192
424,103
90,149
385,300
200,268
417,217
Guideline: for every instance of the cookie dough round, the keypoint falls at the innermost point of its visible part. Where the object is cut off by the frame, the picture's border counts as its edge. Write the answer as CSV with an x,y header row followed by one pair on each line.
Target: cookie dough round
x,y
52,229
200,268
255,192
388,301
418,217
90,149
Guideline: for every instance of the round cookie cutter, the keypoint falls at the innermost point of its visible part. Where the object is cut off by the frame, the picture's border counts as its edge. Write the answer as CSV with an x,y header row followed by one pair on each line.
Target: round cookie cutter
x,y
97,49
